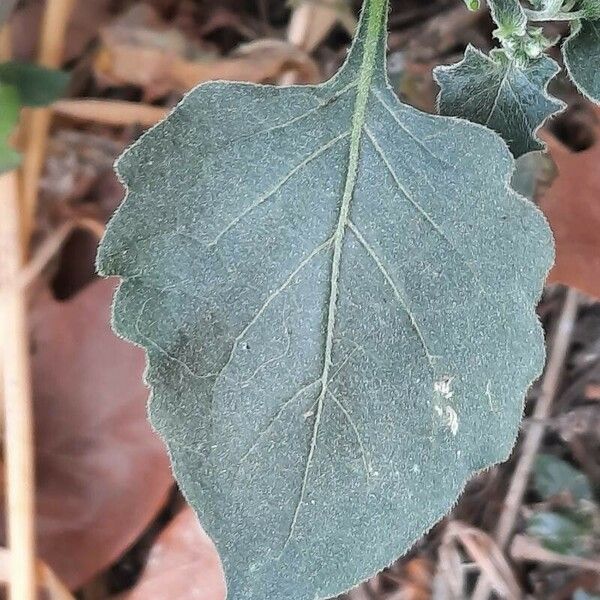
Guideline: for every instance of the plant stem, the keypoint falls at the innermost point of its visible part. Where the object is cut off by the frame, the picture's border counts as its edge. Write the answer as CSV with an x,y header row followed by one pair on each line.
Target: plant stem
x,y
54,27
18,438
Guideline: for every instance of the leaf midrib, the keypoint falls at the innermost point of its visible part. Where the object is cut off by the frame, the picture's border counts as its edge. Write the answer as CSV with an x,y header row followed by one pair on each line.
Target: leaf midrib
x,y
375,21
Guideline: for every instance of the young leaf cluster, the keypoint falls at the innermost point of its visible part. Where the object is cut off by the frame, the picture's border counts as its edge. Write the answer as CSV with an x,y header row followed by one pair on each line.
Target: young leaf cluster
x,y
507,90
23,84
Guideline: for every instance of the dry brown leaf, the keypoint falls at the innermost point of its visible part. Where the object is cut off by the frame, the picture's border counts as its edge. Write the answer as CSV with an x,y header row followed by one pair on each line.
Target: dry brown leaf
x,y
141,50
418,574
592,391
312,21
404,580
221,17
484,552
183,565
102,473
572,206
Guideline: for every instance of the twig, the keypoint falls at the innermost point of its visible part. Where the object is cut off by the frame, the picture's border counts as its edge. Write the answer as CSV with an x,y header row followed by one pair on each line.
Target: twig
x,y
54,26
559,348
115,113
524,548
46,577
299,22
18,439
5,42
312,21
558,352
487,556
48,250
54,586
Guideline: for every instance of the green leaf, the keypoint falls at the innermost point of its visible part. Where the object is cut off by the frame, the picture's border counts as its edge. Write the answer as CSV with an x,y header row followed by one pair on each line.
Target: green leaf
x,y
509,16
553,476
590,9
581,53
472,5
9,116
568,532
37,86
335,292
498,93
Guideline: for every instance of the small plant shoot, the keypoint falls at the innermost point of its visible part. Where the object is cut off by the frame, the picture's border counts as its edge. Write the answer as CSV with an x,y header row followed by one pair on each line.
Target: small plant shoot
x,y
336,295
507,90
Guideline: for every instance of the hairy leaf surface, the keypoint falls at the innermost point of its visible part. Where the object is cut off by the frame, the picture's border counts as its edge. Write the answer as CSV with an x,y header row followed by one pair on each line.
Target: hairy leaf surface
x,y
498,93
509,16
581,52
335,292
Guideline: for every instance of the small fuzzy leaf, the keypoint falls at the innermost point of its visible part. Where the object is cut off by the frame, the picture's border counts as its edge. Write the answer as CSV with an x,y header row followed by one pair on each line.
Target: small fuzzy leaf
x,y
36,86
335,292
581,52
497,92
546,10
509,16
9,115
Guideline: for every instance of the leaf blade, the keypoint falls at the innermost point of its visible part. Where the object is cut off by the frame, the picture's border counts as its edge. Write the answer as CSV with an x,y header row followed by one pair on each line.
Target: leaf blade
x,y
36,85
229,291
581,53
497,92
509,16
